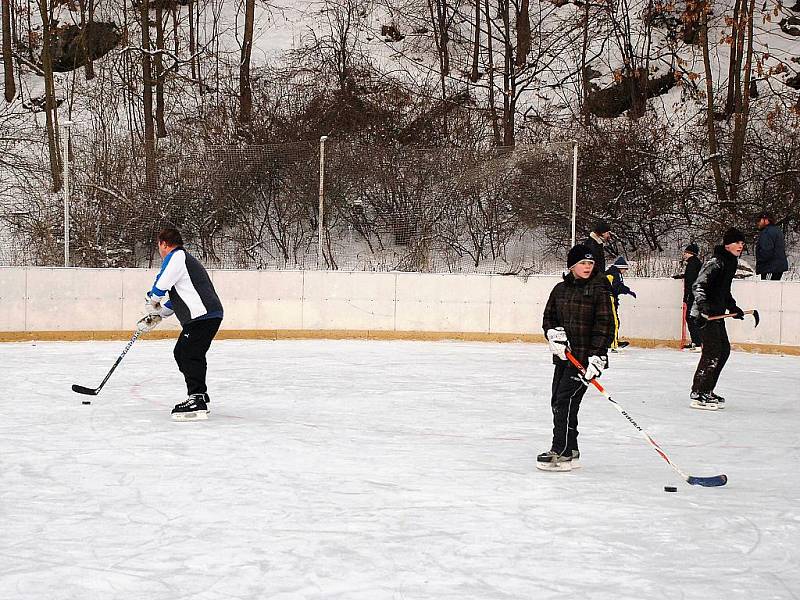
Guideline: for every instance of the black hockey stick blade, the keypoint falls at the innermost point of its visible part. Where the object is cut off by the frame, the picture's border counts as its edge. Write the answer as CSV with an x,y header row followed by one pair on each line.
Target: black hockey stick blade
x,y
756,317
716,481
84,390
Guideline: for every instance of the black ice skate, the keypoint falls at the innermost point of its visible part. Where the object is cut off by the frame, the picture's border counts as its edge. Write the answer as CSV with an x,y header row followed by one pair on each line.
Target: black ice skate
x,y
703,401
553,461
720,400
193,409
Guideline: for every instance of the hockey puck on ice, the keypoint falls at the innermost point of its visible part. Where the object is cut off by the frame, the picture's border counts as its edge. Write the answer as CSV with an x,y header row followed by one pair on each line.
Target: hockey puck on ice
x,y
86,401
669,488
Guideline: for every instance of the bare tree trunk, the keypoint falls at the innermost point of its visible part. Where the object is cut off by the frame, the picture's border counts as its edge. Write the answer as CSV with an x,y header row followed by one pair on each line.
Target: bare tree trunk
x,y
176,38
498,139
245,91
719,185
523,33
147,101
160,75
509,89
192,42
585,86
743,109
87,18
50,97
8,62
476,49
735,61
440,36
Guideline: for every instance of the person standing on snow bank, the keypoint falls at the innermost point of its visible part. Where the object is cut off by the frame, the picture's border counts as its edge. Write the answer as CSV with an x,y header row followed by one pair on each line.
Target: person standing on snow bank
x,y
596,242
618,287
183,286
771,260
712,294
689,276
578,318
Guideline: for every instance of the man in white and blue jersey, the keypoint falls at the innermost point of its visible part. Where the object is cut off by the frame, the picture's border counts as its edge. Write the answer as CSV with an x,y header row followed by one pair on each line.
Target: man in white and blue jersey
x,y
184,288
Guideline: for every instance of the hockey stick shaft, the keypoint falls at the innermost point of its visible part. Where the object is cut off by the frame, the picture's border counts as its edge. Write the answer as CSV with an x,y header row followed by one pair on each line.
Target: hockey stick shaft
x,y
715,481
93,392
753,312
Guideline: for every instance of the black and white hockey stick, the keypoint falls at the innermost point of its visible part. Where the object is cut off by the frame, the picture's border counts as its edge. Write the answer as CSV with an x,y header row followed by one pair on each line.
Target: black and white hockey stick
x,y
93,392
715,481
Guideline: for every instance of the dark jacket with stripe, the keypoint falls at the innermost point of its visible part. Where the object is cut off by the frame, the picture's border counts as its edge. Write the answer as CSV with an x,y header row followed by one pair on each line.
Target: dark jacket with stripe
x,y
617,283
583,308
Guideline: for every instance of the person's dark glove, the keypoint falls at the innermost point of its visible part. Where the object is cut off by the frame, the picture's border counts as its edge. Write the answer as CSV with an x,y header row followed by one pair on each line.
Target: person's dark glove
x,y
738,312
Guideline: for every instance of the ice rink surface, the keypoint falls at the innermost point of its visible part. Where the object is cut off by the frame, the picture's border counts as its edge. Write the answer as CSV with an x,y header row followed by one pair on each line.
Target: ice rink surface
x,y
366,470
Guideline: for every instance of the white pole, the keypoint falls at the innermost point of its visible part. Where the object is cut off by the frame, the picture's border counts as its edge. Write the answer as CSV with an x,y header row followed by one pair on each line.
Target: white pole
x,y
65,161
574,188
321,199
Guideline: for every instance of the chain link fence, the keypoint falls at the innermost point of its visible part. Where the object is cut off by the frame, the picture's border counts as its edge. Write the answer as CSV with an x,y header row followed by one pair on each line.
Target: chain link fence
x,y
504,210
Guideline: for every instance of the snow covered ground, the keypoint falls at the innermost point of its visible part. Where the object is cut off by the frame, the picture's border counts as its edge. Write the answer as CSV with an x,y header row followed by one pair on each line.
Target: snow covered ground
x,y
389,470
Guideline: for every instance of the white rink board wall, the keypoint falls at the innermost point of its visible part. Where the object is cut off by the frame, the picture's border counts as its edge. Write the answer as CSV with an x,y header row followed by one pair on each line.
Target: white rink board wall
x,y
59,299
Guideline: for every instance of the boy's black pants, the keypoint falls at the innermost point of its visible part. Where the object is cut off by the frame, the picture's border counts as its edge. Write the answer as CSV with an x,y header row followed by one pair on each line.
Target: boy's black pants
x,y
190,352
716,350
568,390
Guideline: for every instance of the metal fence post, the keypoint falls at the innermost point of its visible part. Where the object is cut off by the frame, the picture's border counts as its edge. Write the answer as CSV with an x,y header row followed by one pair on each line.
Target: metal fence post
x,y
574,187
321,199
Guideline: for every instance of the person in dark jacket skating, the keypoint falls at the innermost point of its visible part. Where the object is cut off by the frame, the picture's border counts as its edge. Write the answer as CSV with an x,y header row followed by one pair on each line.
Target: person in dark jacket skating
x,y
712,294
771,260
184,288
578,318
689,276
616,281
597,240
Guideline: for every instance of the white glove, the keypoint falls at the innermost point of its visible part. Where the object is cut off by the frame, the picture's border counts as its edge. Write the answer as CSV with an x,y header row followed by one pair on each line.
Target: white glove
x,y
154,304
559,344
595,367
148,323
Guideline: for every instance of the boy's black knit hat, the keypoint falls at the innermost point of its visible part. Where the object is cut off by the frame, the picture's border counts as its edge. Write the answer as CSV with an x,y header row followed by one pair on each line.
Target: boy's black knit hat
x,y
732,236
578,253
693,248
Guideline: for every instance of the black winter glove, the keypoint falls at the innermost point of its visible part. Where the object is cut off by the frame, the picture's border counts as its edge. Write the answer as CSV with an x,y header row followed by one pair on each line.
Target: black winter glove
x,y
738,312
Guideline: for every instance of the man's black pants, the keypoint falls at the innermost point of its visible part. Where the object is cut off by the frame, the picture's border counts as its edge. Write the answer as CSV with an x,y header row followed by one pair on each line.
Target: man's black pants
x,y
692,326
776,276
568,390
716,350
190,352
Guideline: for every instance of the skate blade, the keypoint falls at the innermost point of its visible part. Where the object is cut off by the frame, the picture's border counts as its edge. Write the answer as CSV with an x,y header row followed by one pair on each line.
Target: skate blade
x,y
554,466
200,415
699,406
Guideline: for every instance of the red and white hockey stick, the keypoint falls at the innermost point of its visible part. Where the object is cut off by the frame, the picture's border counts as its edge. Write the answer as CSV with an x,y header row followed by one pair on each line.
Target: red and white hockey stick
x,y
715,481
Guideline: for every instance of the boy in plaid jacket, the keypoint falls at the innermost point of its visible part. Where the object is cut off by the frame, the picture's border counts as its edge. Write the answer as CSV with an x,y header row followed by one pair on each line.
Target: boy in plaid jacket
x,y
577,318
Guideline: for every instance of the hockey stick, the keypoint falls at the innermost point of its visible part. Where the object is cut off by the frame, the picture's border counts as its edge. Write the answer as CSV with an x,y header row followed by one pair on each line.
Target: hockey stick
x,y
753,312
715,481
683,324
93,392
